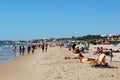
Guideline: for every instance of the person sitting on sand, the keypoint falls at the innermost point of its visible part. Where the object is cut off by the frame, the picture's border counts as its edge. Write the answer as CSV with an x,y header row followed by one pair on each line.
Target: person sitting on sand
x,y
100,61
82,50
73,46
77,50
97,51
101,50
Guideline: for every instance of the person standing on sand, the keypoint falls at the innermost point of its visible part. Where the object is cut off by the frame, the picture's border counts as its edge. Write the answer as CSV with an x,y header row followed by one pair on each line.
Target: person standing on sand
x,y
20,50
29,49
33,49
14,49
46,47
43,46
111,55
23,50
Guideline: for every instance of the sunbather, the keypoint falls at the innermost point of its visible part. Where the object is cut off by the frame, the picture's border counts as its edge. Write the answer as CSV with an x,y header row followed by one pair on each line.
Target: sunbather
x,y
100,61
75,56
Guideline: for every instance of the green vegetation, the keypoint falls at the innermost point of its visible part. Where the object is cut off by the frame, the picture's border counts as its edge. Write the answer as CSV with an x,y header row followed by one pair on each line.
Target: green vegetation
x,y
90,38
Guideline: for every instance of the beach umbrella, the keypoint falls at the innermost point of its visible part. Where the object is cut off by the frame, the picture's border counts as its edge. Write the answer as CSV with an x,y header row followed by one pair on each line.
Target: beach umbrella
x,y
82,44
78,46
85,47
118,45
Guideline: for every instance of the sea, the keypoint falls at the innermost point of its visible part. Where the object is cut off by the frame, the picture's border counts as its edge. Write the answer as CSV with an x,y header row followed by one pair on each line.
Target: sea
x,y
7,54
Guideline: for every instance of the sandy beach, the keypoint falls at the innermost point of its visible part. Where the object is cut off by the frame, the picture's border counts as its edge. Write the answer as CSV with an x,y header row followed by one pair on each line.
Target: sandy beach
x,y
52,66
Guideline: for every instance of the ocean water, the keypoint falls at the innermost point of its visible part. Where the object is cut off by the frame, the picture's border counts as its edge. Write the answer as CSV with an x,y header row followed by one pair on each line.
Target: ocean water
x,y
7,54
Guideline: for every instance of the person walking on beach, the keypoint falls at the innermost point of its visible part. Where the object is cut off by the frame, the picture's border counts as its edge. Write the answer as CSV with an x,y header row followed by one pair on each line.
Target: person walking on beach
x,y
14,50
33,49
43,46
46,47
20,50
111,55
23,50
29,49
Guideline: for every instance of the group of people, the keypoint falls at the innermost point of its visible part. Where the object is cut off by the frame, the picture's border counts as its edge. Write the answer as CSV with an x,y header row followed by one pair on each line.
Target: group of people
x,y
78,52
99,50
29,49
22,49
44,47
106,51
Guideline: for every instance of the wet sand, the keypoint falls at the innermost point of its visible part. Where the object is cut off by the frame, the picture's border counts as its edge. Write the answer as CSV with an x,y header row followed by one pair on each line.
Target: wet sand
x,y
53,66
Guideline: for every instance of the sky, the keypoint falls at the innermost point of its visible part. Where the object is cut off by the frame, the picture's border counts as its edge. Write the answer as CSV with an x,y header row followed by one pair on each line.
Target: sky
x,y
37,19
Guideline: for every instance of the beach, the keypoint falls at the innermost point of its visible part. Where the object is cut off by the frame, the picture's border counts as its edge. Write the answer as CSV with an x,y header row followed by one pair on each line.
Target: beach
x,y
51,65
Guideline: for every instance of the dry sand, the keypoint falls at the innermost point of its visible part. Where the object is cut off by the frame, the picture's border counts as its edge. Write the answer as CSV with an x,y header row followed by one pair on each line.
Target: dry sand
x,y
52,66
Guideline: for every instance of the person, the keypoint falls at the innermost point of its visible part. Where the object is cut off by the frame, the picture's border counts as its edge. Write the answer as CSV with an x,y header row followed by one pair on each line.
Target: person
x,y
101,50
77,50
97,51
101,61
43,46
80,57
111,54
14,49
82,50
29,48
88,45
75,56
33,49
46,47
60,44
73,47
20,50
23,50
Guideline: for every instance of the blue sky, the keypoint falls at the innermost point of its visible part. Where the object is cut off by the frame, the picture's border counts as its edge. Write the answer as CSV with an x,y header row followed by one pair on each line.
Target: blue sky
x,y
34,19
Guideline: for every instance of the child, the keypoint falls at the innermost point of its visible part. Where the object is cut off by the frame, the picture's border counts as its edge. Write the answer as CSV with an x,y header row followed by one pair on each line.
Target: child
x,y
80,57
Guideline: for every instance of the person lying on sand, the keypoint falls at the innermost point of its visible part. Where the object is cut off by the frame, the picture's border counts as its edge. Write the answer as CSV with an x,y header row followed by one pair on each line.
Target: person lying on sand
x,y
75,56
99,62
